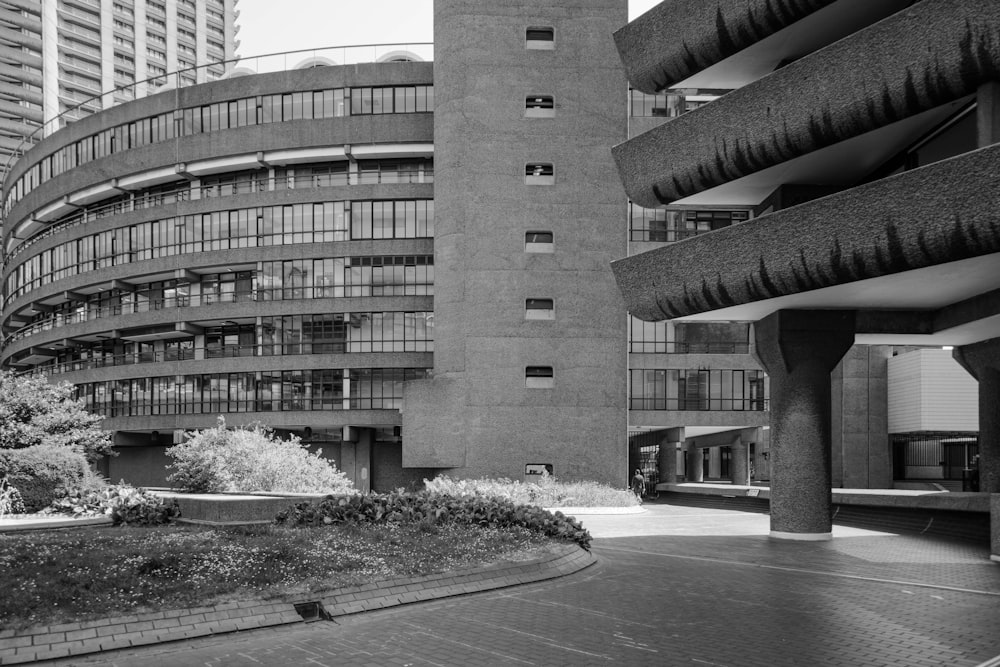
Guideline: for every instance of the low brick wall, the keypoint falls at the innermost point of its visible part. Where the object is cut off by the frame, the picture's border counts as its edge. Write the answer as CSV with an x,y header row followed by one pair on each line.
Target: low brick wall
x,y
228,510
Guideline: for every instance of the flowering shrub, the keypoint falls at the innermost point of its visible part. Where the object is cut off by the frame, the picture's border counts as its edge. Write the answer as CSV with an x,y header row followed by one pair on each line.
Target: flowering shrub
x,y
547,492
123,503
251,458
429,508
10,499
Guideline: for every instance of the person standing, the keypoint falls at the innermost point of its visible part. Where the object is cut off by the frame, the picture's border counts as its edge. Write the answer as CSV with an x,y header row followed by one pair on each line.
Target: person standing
x,y
638,483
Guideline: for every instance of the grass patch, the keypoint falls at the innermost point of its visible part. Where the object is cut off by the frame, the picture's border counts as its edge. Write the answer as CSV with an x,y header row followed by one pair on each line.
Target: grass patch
x,y
74,575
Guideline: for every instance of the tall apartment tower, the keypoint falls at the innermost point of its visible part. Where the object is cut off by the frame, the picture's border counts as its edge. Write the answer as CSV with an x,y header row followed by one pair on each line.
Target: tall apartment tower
x,y
58,56
530,360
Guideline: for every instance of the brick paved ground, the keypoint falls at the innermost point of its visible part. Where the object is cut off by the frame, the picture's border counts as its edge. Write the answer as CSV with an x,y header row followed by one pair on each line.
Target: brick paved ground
x,y
675,586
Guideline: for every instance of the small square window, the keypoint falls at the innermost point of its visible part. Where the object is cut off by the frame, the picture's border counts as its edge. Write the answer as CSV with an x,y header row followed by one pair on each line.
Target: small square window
x,y
540,242
539,377
539,106
542,38
539,309
539,173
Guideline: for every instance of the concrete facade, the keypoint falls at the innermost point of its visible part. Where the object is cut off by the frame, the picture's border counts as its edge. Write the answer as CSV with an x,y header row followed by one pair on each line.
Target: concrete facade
x,y
480,413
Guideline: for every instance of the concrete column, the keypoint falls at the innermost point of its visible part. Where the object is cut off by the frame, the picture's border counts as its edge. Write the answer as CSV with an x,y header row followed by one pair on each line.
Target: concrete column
x,y
982,360
667,454
739,468
995,527
666,459
798,349
363,460
696,468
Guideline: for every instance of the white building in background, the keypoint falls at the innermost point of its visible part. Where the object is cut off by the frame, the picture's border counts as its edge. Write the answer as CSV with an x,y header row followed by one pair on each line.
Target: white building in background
x,y
57,56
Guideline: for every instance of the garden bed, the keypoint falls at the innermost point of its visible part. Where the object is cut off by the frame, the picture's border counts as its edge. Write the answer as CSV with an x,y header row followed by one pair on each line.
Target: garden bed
x,y
70,576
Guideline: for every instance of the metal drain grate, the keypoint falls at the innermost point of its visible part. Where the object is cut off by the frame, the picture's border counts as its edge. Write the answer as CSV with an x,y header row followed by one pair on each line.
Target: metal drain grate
x,y
311,611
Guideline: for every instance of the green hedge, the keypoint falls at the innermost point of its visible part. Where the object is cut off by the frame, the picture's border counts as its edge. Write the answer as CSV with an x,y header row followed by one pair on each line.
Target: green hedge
x,y
434,508
40,471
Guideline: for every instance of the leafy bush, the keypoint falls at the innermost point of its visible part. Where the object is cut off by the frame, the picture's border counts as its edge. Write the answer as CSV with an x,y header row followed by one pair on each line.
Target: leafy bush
x,y
547,492
34,412
10,499
39,471
251,458
125,504
429,508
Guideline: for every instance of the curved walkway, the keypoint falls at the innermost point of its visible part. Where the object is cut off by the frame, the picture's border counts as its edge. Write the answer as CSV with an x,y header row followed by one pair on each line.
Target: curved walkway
x,y
671,586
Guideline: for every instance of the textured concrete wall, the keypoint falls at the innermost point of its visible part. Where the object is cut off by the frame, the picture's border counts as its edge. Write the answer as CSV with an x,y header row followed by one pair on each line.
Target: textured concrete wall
x,y
486,420
935,52
939,213
859,419
678,38
995,527
388,473
140,466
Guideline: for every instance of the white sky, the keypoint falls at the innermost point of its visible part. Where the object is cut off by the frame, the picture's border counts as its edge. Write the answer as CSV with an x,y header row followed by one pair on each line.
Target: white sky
x,y
274,26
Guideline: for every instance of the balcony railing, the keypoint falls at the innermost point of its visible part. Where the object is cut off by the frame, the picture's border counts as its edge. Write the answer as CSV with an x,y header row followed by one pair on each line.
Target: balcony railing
x,y
231,352
273,62
189,193
672,347
700,404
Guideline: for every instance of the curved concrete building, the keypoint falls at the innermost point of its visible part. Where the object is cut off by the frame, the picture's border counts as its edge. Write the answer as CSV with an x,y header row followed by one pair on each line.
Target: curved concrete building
x,y
405,263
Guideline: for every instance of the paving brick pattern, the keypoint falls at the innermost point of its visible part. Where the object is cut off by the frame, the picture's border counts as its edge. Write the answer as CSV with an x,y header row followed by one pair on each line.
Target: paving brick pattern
x,y
675,586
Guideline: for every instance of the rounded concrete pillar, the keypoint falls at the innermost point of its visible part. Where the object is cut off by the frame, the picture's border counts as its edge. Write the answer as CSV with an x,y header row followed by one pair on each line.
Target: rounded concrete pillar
x,y
739,468
696,468
667,461
799,349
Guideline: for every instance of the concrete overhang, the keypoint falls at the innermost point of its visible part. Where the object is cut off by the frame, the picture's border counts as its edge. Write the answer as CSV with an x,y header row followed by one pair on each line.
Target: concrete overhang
x,y
179,330
373,151
679,43
94,193
924,240
149,178
933,53
222,164
840,166
300,155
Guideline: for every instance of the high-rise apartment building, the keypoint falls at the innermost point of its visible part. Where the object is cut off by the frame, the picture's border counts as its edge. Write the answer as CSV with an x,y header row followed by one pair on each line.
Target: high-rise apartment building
x,y
59,58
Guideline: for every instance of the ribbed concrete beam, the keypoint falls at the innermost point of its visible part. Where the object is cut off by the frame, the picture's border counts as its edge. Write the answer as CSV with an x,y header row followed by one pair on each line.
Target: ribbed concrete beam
x,y
935,52
678,38
939,213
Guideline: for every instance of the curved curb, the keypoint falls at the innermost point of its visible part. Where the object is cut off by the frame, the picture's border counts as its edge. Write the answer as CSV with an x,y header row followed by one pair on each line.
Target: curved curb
x,y
123,632
55,521
585,511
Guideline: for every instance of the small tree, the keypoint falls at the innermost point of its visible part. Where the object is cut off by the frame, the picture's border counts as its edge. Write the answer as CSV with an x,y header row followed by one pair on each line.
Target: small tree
x,y
251,458
34,412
